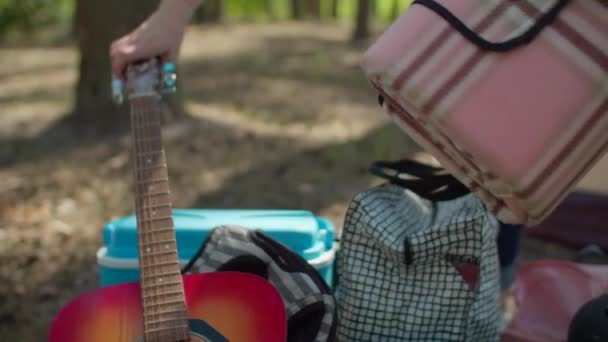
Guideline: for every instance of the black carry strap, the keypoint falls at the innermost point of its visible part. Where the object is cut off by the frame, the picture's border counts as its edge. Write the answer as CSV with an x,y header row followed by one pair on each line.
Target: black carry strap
x,y
508,45
593,254
427,181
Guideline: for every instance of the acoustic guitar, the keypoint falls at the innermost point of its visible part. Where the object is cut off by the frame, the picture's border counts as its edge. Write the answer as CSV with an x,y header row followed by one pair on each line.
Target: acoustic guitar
x,y
164,305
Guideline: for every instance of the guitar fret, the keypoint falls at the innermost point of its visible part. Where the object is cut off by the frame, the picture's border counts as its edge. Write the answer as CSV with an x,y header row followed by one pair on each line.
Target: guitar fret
x,y
147,160
146,139
157,243
155,211
156,330
156,200
158,231
160,151
161,274
175,283
157,276
159,313
148,124
154,153
162,264
155,219
153,181
155,167
140,195
153,143
144,186
164,321
156,304
156,206
154,194
158,254
160,295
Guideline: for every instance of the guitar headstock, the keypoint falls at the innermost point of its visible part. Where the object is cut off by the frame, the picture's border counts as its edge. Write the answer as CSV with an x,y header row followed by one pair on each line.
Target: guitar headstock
x,y
146,78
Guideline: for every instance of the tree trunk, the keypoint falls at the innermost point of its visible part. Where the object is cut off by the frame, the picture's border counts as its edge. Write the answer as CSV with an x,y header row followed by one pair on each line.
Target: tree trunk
x,y
97,24
362,21
314,8
211,11
334,9
296,9
373,8
395,10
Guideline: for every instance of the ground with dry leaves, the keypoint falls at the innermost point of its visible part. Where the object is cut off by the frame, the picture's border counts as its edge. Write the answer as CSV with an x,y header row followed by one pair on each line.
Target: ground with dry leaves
x,y
281,117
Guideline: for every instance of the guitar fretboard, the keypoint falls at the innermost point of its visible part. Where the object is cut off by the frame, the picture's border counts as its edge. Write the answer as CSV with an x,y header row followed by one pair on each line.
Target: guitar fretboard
x,y
162,291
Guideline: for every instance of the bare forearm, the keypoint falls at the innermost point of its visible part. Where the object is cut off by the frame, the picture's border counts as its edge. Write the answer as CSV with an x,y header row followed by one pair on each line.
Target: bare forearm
x,y
182,9
160,34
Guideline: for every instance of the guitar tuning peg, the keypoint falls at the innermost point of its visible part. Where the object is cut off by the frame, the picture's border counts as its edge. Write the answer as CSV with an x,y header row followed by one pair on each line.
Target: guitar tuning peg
x,y
118,89
169,68
169,78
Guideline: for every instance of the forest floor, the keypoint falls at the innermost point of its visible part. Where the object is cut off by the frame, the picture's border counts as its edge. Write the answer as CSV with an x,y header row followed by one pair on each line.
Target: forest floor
x,y
280,117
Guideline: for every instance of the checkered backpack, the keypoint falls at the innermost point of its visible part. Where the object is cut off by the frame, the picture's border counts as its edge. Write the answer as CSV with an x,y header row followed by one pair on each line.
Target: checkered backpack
x,y
418,261
308,300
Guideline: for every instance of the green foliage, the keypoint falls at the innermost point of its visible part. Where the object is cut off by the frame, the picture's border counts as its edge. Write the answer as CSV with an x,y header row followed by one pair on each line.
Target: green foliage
x,y
264,10
33,15
257,10
347,9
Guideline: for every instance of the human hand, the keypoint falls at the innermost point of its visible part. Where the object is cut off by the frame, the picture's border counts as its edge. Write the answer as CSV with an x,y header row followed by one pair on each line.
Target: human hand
x,y
159,35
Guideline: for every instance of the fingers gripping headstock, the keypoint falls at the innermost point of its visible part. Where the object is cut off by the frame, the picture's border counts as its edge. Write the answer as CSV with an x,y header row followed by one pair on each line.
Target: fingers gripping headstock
x,y
145,78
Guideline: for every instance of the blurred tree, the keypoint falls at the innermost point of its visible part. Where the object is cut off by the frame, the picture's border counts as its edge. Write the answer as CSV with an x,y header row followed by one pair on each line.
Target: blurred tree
x,y
97,24
373,8
306,8
211,11
362,20
31,16
395,9
296,9
313,8
334,9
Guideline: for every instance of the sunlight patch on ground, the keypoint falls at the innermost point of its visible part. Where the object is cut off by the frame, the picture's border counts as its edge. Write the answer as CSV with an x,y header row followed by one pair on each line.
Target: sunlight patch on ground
x,y
202,41
27,87
37,88
29,60
25,120
307,135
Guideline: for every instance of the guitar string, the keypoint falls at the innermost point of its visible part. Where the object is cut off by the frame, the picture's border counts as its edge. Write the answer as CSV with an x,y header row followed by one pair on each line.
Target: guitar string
x,y
134,169
136,174
136,112
149,287
153,132
147,237
182,330
154,169
145,202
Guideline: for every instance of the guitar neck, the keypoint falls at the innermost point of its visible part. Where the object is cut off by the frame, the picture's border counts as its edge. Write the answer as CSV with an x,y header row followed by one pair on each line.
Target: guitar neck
x,y
162,290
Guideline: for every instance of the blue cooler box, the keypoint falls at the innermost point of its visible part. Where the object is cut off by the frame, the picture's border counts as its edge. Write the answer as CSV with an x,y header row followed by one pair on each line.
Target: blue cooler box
x,y
310,236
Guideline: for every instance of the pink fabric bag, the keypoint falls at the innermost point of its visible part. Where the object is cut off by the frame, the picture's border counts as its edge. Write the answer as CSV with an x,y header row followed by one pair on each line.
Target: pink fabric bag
x,y
510,96
549,293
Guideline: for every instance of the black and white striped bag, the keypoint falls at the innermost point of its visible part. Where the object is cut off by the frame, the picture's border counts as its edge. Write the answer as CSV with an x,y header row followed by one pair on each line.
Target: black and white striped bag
x,y
309,302
418,261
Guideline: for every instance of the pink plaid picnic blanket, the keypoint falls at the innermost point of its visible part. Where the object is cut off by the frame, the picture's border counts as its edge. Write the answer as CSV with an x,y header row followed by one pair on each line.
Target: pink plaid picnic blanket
x,y
511,96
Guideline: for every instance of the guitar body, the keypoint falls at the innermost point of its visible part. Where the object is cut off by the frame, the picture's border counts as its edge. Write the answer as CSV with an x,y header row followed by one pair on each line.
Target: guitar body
x,y
224,306
165,306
